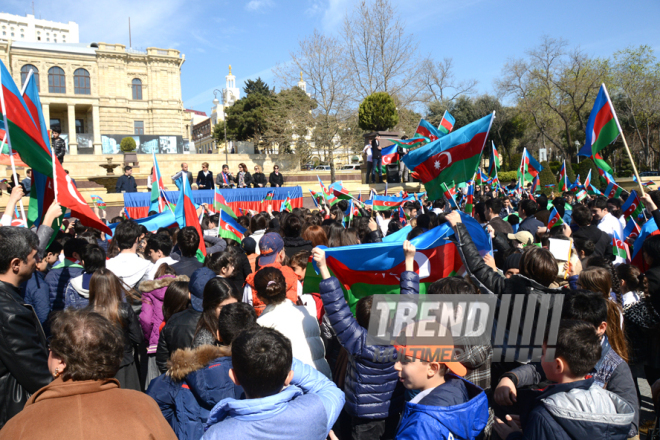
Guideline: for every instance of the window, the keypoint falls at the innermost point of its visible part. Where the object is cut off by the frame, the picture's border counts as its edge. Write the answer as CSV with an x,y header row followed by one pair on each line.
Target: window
x,y
139,127
80,126
47,39
81,84
25,70
12,34
22,36
137,89
56,80
56,124
38,38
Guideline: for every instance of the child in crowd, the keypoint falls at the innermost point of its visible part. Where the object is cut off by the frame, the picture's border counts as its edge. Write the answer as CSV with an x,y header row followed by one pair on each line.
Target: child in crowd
x,y
222,263
76,294
285,398
576,407
632,286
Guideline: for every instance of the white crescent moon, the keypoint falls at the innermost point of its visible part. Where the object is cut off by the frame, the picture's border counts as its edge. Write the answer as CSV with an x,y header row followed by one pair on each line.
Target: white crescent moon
x,y
448,155
424,265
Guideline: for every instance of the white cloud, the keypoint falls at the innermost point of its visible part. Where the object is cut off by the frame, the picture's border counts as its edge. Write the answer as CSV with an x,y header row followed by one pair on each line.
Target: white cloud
x,y
258,5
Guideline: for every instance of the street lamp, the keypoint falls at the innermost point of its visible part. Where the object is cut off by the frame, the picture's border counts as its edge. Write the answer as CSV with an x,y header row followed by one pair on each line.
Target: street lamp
x,y
224,121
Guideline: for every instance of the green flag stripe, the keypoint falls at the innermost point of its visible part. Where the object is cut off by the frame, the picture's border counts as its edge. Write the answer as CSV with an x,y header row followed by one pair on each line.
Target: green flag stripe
x,y
461,171
24,145
607,135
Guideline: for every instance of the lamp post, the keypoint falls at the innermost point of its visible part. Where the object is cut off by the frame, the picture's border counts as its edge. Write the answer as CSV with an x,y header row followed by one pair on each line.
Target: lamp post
x,y
224,121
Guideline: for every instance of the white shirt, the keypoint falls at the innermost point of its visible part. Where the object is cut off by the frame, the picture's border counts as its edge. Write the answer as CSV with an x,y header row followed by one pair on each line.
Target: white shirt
x,y
367,149
129,267
610,224
421,395
154,267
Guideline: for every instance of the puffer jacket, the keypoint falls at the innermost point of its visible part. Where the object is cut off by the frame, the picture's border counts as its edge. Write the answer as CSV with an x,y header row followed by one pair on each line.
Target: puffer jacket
x,y
196,380
575,411
77,292
58,279
303,331
151,315
372,386
36,293
177,333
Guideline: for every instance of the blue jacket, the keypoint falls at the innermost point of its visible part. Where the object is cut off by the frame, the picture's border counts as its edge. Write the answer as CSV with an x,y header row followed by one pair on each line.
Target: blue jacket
x,y
456,409
197,379
76,294
36,293
58,278
576,411
371,386
306,409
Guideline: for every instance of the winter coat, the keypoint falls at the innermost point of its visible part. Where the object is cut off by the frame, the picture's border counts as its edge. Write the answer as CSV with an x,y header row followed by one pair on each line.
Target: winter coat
x,y
455,409
126,183
306,409
186,266
132,333
36,293
276,179
177,333
247,180
302,329
371,382
196,380
293,245
576,411
76,294
642,321
59,147
88,409
259,178
151,316
23,353
58,278
598,237
291,287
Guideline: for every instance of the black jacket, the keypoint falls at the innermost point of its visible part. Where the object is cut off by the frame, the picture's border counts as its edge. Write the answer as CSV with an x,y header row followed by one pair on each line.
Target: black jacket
x,y
241,271
205,182
259,178
126,183
247,178
375,152
133,335
276,179
294,245
186,266
177,333
599,238
59,147
23,353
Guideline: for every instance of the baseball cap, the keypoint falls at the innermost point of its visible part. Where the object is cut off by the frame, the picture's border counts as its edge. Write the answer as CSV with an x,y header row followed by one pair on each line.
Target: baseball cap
x,y
522,236
270,245
249,245
422,351
196,285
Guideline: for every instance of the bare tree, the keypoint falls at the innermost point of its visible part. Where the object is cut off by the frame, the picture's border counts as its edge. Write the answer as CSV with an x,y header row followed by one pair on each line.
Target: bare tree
x,y
379,54
436,82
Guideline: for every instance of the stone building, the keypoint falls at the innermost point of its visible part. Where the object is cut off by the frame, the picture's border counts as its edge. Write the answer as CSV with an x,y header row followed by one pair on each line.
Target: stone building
x,y
99,92
33,30
203,136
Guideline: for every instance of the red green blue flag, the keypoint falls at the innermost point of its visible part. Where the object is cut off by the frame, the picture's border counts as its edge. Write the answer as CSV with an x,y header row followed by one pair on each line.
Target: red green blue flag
x,y
220,204
390,155
613,190
632,229
185,214
602,127
446,192
412,142
581,195
535,184
286,205
158,202
529,167
386,203
620,248
454,157
554,219
494,163
427,130
633,206
469,204
587,181
270,195
98,201
447,123
339,191
563,179
229,228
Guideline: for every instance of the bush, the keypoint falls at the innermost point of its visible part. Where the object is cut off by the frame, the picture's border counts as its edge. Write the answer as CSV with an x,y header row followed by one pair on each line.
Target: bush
x,y
506,176
555,167
547,177
575,167
514,162
570,173
585,166
378,112
625,167
127,145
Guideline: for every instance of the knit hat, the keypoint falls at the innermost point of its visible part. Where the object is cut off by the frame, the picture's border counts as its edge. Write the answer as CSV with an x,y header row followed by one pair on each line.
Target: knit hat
x,y
196,285
512,262
270,246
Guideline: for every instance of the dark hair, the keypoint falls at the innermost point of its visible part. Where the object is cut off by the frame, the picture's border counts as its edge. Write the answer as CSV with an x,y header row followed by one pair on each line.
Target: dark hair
x,y
451,286
600,202
651,247
270,285
587,246
93,258
423,221
233,319
258,222
15,243
219,260
337,212
55,248
188,241
415,232
127,167
292,226
159,242
164,269
216,291
631,275
177,298
495,205
300,259
126,234
91,346
578,345
363,311
539,265
529,207
584,305
261,359
581,215
75,245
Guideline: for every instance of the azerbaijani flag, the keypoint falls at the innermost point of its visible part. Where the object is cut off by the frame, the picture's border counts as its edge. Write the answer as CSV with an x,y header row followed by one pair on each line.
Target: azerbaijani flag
x,y
385,203
412,142
403,217
587,181
581,195
613,190
554,219
563,179
286,205
330,198
340,191
447,193
494,163
632,229
390,155
98,201
535,184
469,204
269,197
158,202
454,157
27,134
316,198
220,204
648,229
619,248
229,228
602,127
185,214
447,123
633,206
529,167
576,185
594,191
425,129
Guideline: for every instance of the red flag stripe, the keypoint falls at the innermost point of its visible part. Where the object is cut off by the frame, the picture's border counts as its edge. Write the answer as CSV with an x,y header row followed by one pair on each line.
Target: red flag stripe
x,y
16,113
603,117
427,170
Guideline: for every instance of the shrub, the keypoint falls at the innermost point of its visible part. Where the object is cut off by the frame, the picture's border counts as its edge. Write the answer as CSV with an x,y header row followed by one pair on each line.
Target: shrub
x,y
378,112
127,145
514,162
585,166
555,167
547,177
506,176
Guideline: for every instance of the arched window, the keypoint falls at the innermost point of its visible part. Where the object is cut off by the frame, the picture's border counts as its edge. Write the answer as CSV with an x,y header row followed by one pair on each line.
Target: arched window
x,y
25,70
137,89
56,80
81,84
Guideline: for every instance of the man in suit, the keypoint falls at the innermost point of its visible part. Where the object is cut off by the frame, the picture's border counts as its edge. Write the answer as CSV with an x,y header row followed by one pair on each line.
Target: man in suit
x,y
126,183
377,159
184,170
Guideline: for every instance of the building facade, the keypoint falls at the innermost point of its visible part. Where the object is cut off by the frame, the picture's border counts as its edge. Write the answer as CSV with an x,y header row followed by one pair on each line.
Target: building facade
x,y
203,136
33,30
92,90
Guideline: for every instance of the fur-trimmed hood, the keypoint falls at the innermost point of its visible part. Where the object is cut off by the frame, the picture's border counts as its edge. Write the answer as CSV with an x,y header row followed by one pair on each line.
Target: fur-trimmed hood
x,y
188,360
164,281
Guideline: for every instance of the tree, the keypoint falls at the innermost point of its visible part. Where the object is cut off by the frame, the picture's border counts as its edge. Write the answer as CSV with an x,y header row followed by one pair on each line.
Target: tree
x,y
587,165
127,144
546,177
437,83
378,112
408,121
247,119
257,86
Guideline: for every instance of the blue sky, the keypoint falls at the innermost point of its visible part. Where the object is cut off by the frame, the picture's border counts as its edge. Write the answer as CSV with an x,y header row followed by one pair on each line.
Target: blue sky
x,y
255,35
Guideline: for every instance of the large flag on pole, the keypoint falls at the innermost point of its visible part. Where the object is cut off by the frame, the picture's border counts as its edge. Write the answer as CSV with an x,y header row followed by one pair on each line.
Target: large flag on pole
x,y
529,168
186,214
158,202
602,127
563,179
427,130
26,136
454,157
494,163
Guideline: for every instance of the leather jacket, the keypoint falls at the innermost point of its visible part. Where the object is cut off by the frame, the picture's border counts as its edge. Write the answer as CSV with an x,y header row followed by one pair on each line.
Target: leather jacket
x,y
59,147
177,333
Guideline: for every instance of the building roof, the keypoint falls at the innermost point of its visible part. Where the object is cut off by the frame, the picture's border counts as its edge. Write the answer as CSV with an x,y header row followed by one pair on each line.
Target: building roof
x,y
78,48
197,112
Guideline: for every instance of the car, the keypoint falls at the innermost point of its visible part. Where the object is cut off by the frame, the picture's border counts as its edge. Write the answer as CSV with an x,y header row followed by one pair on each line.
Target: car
x,y
649,173
307,167
351,167
322,168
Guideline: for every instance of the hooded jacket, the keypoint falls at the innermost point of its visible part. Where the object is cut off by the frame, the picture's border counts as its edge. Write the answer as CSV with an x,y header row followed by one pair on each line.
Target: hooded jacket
x,y
58,279
151,315
37,294
293,245
196,380
576,411
456,409
77,292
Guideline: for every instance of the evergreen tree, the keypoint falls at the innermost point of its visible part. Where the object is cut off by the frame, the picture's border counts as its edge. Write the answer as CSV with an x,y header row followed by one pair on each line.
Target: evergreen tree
x,y
547,177
586,165
378,112
625,167
257,86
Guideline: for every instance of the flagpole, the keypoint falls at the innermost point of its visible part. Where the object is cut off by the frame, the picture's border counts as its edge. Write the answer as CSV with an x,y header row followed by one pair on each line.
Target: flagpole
x,y
623,138
11,151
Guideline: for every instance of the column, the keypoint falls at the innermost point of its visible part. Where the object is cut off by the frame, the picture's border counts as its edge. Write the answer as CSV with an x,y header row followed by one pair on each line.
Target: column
x,y
71,117
96,129
46,111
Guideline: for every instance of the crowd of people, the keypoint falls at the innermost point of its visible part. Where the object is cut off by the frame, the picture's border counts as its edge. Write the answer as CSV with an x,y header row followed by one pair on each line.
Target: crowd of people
x,y
133,336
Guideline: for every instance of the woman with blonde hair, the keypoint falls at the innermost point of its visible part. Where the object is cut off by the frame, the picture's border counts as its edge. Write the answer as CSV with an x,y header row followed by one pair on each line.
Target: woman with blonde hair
x,y
258,178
